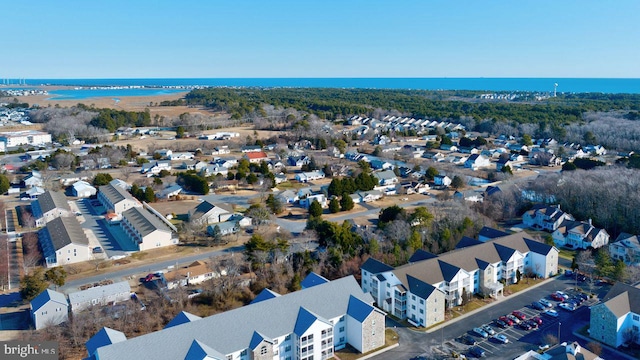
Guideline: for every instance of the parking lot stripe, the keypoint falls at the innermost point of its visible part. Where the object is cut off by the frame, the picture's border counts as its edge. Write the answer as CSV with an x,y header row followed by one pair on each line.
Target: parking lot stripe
x,y
487,350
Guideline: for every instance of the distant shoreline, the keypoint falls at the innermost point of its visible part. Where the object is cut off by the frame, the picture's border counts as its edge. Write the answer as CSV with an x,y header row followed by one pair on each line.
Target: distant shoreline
x,y
565,85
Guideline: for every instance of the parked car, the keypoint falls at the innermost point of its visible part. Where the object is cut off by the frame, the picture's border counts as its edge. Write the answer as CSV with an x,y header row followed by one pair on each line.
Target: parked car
x,y
551,313
537,319
536,305
457,355
477,352
546,303
488,329
524,326
478,331
543,347
568,273
582,278
519,315
507,320
566,306
583,296
562,295
557,297
501,338
501,324
468,340
149,277
97,250
533,324
514,319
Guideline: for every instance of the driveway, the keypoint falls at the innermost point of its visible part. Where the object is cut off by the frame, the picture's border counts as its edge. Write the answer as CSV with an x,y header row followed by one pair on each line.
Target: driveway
x,y
95,223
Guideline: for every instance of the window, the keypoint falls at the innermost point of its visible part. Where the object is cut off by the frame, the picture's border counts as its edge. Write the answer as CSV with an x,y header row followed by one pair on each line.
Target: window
x,y
421,302
341,329
364,282
287,348
421,311
342,319
388,285
287,338
244,352
263,350
229,357
342,339
44,313
275,342
636,317
413,307
413,297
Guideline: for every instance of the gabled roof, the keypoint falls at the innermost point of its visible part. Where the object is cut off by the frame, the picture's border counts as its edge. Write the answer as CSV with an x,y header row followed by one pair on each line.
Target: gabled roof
x,y
538,247
622,299
181,318
106,336
312,279
273,318
627,240
491,233
385,175
420,255
358,309
482,265
53,200
265,294
63,231
45,297
504,252
200,351
115,193
205,207
304,321
256,155
257,339
99,292
466,242
448,271
419,288
143,221
374,266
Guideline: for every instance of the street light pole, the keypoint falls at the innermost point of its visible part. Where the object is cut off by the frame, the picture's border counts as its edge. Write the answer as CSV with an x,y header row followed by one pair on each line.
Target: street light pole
x,y
559,323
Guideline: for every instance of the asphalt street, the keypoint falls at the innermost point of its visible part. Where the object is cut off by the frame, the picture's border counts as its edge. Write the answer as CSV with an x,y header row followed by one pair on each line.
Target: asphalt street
x,y
414,343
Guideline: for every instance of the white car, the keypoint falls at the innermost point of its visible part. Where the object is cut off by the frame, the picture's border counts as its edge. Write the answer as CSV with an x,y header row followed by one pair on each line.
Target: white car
x,y
563,295
545,302
551,313
501,338
488,329
480,332
566,306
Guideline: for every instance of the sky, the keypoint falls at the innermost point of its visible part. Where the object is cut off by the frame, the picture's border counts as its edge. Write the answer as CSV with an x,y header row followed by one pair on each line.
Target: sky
x,y
303,38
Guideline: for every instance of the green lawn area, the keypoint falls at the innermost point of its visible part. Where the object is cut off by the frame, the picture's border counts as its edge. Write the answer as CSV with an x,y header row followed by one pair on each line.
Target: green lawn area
x,y
523,284
349,353
567,254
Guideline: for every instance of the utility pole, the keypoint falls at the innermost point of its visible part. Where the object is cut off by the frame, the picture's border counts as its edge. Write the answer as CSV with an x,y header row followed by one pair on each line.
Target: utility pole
x,y
559,323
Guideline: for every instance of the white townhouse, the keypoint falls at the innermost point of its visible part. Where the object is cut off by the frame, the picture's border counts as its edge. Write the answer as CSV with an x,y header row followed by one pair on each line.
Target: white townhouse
x,y
63,242
99,296
477,161
145,230
115,198
309,176
25,137
303,325
545,217
430,283
48,309
626,248
50,205
580,235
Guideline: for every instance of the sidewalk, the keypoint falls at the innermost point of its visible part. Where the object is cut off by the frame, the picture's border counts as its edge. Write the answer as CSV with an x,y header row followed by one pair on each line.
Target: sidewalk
x,y
473,312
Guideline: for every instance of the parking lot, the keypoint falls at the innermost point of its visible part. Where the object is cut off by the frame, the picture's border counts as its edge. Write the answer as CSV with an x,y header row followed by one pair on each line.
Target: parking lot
x,y
100,233
438,343
515,335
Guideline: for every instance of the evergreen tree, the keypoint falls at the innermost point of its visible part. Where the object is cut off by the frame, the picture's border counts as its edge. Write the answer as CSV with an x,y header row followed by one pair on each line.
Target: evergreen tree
x,y
334,205
346,203
457,182
315,209
149,195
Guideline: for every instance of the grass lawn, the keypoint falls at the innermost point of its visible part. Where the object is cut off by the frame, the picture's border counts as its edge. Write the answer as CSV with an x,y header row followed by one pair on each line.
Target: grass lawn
x,y
349,353
523,284
567,254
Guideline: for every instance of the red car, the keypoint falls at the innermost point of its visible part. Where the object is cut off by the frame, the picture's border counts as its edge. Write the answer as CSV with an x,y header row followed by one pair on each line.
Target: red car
x,y
557,297
537,319
149,277
519,315
506,320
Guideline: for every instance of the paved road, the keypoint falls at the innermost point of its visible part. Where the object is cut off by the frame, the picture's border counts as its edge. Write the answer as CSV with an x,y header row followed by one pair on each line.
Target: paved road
x,y
299,226
120,275
414,343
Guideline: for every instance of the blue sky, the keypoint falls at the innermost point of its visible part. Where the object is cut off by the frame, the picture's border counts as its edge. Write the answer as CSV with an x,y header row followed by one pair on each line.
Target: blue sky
x,y
348,38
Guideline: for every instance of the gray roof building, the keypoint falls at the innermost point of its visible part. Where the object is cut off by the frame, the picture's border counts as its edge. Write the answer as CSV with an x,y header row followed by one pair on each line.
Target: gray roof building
x,y
60,238
244,328
100,295
143,221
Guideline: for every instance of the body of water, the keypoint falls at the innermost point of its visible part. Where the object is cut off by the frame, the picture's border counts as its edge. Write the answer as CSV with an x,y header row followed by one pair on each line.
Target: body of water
x,y
155,86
